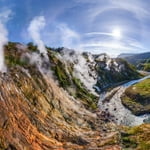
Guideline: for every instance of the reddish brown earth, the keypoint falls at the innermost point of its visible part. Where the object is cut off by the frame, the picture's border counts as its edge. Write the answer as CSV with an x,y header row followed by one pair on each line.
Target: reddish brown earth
x,y
35,114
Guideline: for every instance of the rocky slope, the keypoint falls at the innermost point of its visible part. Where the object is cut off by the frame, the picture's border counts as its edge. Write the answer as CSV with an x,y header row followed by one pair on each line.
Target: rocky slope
x,y
37,114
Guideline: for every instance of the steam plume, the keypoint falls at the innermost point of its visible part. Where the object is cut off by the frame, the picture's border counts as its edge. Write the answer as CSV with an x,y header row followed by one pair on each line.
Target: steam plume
x,y
3,41
4,17
36,25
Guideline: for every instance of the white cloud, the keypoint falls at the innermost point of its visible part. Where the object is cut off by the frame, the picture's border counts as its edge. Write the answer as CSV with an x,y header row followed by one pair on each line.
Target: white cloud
x,y
3,41
135,6
98,19
115,32
69,38
113,47
5,15
86,1
97,33
36,25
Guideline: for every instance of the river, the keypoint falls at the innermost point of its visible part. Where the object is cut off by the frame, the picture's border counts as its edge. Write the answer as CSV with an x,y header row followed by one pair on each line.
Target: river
x,y
121,115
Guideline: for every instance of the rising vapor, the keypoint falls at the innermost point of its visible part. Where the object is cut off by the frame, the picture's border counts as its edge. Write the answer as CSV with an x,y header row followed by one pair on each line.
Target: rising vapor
x,y
35,26
4,17
3,41
69,37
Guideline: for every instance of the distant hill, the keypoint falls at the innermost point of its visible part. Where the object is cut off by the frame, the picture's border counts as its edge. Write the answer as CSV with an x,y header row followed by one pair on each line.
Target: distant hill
x,y
135,59
141,61
124,55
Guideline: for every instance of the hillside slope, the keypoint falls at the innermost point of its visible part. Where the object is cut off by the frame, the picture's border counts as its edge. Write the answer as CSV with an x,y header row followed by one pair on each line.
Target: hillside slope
x,y
98,71
46,101
140,61
36,114
137,98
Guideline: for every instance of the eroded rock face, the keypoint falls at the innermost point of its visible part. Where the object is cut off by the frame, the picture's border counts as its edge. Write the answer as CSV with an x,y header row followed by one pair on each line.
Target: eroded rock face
x,y
19,120
36,114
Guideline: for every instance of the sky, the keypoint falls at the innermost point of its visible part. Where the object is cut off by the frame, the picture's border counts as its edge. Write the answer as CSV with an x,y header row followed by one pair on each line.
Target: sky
x,y
97,26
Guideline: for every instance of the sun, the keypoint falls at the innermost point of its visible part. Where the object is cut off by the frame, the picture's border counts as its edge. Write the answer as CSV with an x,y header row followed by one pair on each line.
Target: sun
x,y
116,33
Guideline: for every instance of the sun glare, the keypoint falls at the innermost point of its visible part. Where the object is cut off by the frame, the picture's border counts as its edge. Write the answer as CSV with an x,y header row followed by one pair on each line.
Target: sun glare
x,y
116,33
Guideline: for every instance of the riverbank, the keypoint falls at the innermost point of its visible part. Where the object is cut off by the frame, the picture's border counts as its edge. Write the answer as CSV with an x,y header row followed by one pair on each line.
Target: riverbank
x,y
121,115
137,98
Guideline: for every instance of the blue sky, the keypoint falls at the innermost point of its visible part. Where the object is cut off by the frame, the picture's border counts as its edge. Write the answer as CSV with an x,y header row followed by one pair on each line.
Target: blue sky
x,y
111,26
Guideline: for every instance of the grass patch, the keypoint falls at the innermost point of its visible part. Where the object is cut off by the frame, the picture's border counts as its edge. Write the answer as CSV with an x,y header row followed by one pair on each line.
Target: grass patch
x,y
12,61
64,75
137,97
136,137
88,98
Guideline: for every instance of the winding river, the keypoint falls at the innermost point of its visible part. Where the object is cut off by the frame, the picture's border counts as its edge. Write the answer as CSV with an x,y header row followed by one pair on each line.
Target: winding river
x,y
121,115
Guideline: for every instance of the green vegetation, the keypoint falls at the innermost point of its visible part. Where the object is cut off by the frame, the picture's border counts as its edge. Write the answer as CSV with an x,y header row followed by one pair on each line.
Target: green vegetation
x,y
64,74
59,69
12,56
32,47
136,137
113,77
62,77
129,143
88,98
13,61
137,97
11,46
144,65
147,66
129,71
143,88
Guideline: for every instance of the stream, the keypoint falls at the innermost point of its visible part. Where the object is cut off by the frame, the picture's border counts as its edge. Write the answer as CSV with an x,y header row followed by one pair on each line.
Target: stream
x,y
120,114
